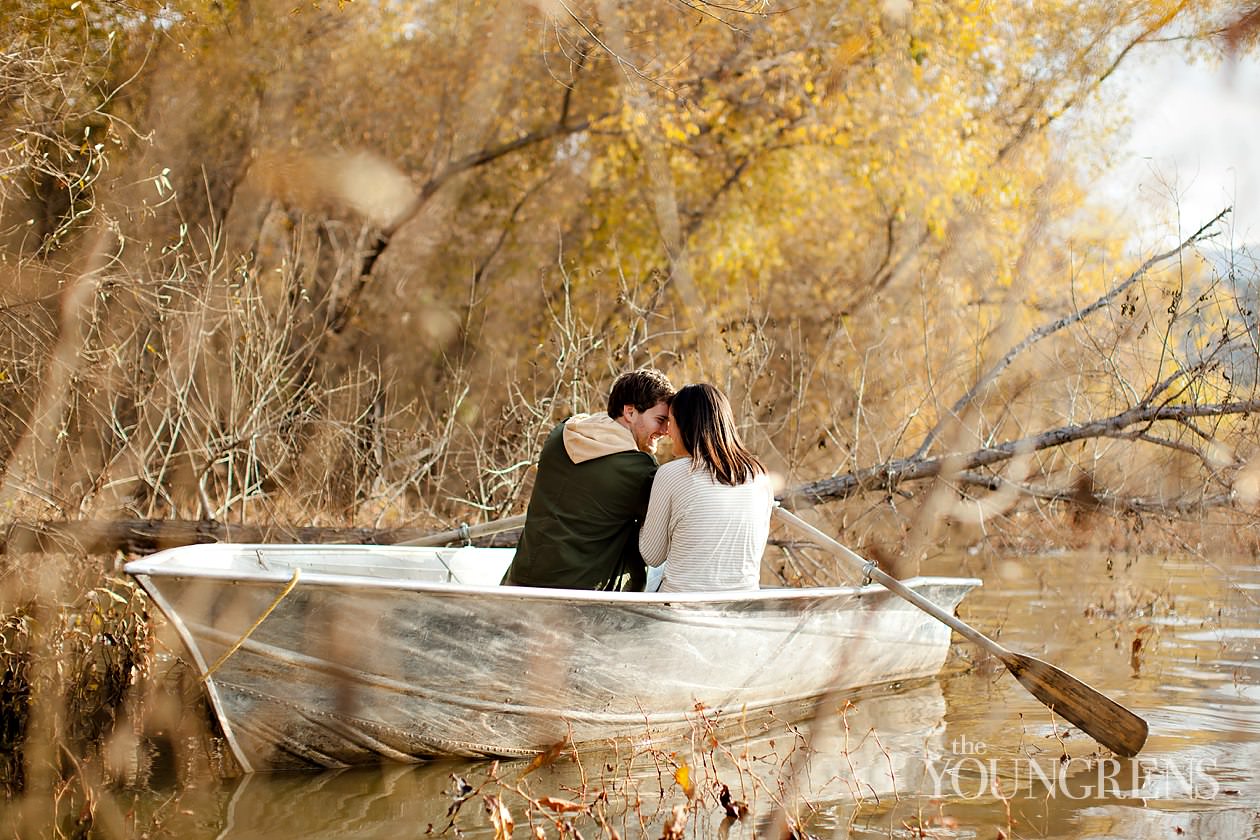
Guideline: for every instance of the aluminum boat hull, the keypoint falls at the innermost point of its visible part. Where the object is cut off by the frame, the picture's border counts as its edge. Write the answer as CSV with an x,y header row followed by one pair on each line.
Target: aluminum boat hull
x,y
330,656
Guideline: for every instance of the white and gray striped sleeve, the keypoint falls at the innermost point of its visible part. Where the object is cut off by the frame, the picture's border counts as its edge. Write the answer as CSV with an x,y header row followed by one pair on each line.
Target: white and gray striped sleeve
x,y
654,535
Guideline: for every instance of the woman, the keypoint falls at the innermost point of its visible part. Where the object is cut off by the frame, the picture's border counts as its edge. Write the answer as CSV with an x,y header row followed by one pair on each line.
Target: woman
x,y
709,514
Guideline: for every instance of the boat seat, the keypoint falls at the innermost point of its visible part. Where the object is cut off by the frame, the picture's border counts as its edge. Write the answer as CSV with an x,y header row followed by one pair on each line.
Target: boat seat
x,y
476,566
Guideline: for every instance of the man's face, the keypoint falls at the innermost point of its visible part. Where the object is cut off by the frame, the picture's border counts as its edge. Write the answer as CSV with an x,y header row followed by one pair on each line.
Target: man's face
x,y
647,426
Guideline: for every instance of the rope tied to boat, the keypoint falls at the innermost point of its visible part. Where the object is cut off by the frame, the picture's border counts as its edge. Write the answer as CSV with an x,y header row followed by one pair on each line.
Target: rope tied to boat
x,y
227,654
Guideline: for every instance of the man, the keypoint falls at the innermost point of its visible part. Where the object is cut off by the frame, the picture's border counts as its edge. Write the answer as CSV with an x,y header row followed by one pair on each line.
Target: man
x,y
591,492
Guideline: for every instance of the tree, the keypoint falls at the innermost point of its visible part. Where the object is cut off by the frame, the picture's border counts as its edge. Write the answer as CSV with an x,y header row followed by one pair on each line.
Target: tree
x,y
357,279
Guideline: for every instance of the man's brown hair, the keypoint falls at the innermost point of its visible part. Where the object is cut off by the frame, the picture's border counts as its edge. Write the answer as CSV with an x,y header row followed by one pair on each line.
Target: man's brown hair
x,y
642,388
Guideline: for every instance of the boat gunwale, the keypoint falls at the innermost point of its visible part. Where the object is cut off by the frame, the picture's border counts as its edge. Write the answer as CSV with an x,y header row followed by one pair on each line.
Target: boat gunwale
x,y
168,566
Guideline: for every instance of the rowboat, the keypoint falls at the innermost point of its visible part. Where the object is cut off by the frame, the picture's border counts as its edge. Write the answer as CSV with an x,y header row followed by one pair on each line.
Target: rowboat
x,y
321,656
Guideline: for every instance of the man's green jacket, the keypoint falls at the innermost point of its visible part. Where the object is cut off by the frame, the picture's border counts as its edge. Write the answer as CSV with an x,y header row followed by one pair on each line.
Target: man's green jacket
x,y
590,496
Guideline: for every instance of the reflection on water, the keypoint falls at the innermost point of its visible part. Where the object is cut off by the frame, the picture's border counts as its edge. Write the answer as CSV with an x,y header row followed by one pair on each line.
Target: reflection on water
x,y
969,754
878,744
1170,638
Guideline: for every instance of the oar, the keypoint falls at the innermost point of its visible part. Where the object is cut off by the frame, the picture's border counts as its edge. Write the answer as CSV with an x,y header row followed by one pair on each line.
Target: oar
x,y
469,532
1105,720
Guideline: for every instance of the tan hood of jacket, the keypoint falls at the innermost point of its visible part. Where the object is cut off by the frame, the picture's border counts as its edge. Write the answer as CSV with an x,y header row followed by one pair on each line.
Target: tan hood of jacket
x,y
591,436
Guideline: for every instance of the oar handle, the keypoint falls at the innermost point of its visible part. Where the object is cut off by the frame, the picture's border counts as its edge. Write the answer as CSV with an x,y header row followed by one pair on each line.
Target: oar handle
x,y
469,532
890,583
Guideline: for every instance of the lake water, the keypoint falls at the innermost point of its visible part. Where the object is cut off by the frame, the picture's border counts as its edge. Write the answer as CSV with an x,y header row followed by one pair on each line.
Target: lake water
x,y
966,754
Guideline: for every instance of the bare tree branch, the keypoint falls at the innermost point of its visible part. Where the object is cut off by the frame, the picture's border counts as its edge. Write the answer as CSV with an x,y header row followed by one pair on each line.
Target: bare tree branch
x,y
1032,124
1049,329
471,161
889,476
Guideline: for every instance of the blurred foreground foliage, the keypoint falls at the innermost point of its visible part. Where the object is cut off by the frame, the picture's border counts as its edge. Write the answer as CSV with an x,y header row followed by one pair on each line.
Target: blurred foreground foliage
x,y
346,264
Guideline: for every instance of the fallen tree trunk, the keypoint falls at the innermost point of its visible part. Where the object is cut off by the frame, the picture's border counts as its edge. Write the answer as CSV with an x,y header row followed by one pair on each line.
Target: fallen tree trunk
x,y
147,535
1132,424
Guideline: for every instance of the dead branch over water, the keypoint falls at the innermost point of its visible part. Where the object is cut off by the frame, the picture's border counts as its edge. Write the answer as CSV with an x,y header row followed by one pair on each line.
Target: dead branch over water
x,y
888,477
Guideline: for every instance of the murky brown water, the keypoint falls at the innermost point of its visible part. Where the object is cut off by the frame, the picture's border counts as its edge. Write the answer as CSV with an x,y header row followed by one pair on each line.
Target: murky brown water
x,y
968,754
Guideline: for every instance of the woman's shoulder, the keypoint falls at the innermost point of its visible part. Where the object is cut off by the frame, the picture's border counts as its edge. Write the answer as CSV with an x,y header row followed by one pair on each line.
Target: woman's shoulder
x,y
676,473
678,466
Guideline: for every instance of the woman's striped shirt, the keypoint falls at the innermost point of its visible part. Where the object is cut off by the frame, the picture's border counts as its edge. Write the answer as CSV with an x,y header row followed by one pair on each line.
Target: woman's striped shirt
x,y
709,535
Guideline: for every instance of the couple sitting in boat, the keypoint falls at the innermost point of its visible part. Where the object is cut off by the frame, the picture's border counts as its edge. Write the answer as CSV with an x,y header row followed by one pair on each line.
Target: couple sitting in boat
x,y
601,507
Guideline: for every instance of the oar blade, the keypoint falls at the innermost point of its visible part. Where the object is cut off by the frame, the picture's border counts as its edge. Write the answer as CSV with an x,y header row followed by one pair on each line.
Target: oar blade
x,y
1102,718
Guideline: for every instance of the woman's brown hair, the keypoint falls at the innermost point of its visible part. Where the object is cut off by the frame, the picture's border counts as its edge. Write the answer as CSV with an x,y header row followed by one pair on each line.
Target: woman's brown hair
x,y
706,428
